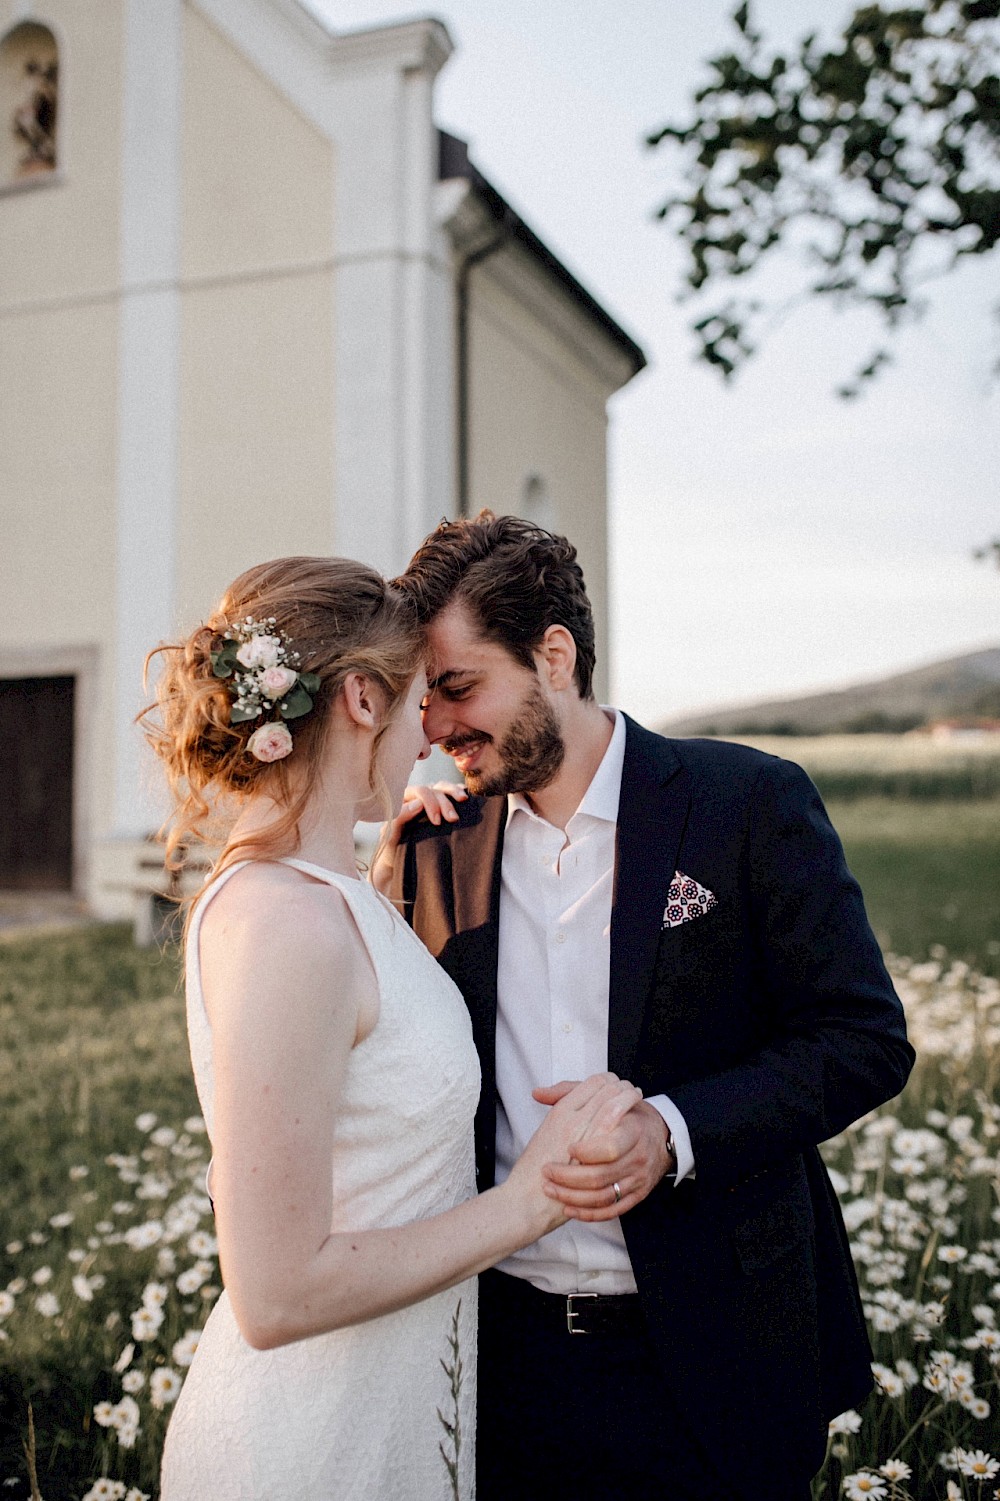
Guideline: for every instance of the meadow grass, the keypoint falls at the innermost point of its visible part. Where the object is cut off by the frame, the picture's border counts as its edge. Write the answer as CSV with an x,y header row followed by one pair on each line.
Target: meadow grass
x,y
930,873
108,1262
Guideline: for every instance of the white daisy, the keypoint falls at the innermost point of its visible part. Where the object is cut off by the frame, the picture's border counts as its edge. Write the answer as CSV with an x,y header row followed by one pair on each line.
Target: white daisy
x,y
133,1381
183,1351
47,1305
164,1387
146,1323
977,1464
863,1484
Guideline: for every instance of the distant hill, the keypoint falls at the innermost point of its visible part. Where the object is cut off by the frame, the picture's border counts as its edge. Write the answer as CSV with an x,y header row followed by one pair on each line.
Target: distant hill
x,y
955,688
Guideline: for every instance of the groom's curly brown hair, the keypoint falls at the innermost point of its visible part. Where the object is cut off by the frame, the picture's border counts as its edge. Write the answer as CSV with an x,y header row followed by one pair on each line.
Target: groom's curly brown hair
x,y
515,578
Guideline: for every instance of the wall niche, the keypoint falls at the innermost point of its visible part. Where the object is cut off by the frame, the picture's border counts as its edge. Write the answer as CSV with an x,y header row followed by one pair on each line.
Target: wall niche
x,y
29,105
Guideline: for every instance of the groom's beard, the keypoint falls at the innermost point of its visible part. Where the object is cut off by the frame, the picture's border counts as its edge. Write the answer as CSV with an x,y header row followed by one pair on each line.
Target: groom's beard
x,y
530,753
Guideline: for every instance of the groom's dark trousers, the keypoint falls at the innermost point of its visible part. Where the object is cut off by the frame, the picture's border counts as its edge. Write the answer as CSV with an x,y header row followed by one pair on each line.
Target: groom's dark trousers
x,y
771,1023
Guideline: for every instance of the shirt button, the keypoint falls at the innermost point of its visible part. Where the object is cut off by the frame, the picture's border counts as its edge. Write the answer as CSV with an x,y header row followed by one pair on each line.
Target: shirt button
x,y
561,936
567,1026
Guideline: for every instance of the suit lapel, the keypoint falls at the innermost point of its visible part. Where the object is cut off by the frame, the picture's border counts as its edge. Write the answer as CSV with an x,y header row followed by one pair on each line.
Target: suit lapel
x,y
476,852
652,813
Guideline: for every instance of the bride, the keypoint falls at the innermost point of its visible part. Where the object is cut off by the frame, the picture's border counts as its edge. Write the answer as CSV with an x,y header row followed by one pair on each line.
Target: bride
x,y
334,1063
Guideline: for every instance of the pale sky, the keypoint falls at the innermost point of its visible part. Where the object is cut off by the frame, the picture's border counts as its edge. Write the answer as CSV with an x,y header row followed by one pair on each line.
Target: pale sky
x,y
767,538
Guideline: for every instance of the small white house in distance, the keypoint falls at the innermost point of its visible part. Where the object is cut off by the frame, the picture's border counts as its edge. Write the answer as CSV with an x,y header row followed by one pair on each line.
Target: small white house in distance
x,y
252,302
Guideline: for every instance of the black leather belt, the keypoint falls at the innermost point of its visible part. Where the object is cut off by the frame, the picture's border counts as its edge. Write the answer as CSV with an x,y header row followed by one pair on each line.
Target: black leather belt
x,y
577,1313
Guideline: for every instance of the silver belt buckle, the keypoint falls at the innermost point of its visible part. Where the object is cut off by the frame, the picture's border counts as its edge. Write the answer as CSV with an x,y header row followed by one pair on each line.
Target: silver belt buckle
x,y
571,1312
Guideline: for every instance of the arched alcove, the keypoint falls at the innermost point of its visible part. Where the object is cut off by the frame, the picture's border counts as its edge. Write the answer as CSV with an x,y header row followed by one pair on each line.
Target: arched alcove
x,y
29,104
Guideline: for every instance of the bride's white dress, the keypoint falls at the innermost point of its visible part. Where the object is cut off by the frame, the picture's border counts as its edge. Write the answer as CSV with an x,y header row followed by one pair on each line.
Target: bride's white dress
x,y
354,1414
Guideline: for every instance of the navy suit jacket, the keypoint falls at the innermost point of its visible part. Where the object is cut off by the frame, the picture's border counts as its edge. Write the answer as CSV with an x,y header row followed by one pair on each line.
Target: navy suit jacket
x,y
770,1021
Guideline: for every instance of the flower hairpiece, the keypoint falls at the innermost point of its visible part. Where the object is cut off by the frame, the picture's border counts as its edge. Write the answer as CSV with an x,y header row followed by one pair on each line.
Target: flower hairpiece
x,y
257,660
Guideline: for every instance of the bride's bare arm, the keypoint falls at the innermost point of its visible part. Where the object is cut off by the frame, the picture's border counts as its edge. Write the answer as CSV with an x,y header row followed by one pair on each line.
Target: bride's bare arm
x,y
290,990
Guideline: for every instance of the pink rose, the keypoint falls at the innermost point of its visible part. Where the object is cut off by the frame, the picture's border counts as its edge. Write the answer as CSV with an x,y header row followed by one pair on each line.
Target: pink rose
x,y
276,681
272,742
259,651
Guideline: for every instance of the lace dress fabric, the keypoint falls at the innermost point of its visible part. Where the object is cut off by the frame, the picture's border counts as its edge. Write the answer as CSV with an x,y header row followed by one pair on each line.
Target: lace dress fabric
x,y
353,1414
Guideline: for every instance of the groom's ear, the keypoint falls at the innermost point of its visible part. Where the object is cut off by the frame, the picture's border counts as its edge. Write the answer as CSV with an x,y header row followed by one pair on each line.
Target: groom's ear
x,y
555,658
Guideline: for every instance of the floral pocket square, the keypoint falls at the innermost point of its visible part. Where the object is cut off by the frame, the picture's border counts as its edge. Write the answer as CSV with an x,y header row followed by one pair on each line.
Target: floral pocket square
x,y
686,899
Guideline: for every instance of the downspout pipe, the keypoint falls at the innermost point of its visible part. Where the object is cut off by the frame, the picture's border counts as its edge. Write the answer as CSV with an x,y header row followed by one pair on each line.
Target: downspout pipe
x,y
462,288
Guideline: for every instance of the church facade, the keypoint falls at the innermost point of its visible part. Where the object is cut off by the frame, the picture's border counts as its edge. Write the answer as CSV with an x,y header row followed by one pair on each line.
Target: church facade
x,y
252,302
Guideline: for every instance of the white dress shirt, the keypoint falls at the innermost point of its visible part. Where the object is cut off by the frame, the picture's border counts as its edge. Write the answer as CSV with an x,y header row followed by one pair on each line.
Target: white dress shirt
x,y
553,981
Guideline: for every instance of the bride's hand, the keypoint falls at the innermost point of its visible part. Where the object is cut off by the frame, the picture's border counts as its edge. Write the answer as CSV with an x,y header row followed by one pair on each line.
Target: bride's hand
x,y
596,1105
438,802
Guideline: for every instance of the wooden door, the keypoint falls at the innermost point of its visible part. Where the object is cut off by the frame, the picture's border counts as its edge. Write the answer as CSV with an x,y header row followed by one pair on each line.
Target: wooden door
x,y
36,784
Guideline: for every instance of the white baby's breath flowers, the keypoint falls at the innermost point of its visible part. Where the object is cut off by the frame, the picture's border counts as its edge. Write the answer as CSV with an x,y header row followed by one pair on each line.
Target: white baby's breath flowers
x,y
164,1387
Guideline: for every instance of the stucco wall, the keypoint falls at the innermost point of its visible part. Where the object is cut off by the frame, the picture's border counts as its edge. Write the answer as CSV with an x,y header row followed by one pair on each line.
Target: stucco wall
x,y
537,408
256,418
58,387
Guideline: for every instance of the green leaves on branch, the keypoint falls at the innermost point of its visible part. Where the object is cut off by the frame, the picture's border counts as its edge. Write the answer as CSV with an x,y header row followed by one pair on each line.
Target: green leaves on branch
x,y
876,160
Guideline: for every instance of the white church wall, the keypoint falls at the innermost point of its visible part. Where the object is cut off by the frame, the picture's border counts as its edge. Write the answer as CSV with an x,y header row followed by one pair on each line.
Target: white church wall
x,y
538,429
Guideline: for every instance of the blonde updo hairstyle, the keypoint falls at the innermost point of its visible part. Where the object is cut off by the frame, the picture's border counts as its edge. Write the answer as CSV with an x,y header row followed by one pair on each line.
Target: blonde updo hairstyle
x,y
340,617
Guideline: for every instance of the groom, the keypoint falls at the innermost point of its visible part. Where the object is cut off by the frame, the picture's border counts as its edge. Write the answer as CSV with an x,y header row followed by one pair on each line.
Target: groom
x,y
678,912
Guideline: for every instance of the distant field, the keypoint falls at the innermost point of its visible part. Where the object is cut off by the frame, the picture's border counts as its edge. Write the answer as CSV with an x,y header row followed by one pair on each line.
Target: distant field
x,y
891,766
894,766
930,873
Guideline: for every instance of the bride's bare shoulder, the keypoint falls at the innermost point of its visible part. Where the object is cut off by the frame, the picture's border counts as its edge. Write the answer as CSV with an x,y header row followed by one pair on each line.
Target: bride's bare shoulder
x,y
267,904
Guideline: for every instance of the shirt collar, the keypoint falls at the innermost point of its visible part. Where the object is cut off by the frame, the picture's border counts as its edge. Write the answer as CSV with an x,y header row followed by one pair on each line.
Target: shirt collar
x,y
602,797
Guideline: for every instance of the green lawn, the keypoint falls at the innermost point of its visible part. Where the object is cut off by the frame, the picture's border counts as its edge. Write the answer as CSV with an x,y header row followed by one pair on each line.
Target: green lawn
x,y
930,873
91,1033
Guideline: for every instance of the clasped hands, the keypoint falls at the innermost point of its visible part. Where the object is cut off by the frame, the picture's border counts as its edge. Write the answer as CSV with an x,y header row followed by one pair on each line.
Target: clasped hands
x,y
632,1157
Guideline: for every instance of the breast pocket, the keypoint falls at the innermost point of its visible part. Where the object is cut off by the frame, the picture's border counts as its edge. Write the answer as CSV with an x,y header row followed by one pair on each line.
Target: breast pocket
x,y
692,941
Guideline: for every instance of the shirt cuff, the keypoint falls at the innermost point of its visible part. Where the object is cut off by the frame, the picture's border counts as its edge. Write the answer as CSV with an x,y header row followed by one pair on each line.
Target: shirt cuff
x,y
679,1134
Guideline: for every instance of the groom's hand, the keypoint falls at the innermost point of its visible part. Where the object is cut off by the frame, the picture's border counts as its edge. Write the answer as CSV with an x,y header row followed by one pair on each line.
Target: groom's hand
x,y
633,1157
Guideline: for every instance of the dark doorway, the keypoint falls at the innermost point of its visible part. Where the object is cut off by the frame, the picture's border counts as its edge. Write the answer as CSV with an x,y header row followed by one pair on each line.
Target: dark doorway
x,y
36,784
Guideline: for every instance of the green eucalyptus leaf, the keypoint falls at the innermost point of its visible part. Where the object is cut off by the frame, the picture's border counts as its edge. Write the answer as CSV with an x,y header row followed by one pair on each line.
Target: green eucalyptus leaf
x,y
243,716
224,660
295,703
309,681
